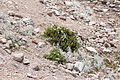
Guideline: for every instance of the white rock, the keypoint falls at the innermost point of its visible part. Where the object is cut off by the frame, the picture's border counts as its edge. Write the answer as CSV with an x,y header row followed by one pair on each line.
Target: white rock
x,y
3,40
91,49
26,61
41,44
37,30
92,23
79,66
69,66
31,76
18,57
102,24
107,50
105,10
56,13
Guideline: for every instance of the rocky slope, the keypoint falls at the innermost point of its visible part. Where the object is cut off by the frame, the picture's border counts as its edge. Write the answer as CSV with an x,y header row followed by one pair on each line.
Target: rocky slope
x,y
96,24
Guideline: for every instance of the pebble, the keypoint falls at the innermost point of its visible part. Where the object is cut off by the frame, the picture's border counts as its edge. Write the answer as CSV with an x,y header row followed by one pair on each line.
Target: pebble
x,y
18,57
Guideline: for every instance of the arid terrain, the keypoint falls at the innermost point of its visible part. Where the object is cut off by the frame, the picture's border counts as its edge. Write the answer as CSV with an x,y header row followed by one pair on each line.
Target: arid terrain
x,y
96,24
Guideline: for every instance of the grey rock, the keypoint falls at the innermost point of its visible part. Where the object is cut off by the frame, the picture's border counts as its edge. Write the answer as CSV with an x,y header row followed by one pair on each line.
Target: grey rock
x,y
79,66
28,21
2,58
2,16
36,68
18,57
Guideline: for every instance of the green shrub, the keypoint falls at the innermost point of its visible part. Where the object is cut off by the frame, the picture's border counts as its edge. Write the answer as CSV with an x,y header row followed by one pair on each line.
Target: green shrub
x,y
55,55
63,37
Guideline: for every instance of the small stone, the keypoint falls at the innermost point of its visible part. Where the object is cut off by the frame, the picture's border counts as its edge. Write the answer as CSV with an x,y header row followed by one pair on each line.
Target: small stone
x,y
106,79
3,41
35,41
26,61
56,13
2,59
50,13
79,66
18,57
37,30
31,76
41,44
107,50
91,49
102,24
36,68
92,23
63,18
28,21
2,16
69,66
105,10
8,51
11,13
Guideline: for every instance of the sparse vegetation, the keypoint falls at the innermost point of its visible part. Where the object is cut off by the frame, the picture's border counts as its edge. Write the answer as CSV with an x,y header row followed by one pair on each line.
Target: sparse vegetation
x,y
55,55
58,35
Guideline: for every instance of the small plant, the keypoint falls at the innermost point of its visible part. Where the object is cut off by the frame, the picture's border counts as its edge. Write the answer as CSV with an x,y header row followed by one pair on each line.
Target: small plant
x,y
58,35
55,55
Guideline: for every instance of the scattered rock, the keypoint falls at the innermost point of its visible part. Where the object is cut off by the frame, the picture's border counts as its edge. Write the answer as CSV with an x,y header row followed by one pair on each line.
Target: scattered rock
x,y
3,41
18,57
2,58
31,76
36,68
107,50
91,49
26,61
41,44
92,23
28,21
56,13
79,66
37,30
69,66
2,16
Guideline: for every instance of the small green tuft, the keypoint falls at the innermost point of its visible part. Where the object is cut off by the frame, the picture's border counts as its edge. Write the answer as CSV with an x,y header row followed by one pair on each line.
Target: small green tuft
x,y
55,55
